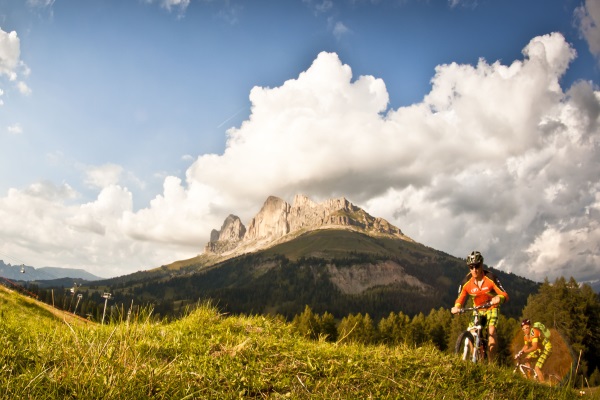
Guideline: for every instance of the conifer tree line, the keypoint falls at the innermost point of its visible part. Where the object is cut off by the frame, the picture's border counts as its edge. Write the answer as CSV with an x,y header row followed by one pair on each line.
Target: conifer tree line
x,y
570,308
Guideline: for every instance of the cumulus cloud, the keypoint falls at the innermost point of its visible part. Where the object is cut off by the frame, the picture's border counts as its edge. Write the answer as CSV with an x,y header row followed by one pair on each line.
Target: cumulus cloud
x,y
498,158
588,17
10,51
42,224
11,65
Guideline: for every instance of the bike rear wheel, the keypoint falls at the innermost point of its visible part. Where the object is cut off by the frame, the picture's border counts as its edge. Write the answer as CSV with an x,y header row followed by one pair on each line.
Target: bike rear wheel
x,y
465,347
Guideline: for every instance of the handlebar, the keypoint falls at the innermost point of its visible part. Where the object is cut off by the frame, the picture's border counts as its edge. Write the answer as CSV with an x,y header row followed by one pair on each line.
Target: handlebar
x,y
484,305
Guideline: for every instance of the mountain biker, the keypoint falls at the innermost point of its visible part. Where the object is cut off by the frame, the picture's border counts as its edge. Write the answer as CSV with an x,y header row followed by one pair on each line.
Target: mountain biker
x,y
537,347
483,287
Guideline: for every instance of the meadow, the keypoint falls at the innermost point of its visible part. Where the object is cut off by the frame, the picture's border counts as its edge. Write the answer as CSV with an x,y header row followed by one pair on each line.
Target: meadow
x,y
209,355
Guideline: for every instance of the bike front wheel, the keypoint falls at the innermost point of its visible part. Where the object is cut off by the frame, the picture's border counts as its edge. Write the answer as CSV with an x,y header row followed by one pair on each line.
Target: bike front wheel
x,y
465,347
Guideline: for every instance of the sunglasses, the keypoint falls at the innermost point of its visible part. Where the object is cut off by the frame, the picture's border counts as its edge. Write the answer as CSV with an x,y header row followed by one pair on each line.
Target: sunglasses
x,y
474,266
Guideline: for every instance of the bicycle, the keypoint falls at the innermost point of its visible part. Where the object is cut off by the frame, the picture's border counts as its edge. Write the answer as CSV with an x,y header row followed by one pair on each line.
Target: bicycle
x,y
472,343
529,372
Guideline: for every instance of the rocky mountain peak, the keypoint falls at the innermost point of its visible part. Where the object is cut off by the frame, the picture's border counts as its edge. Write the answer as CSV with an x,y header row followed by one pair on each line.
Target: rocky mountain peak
x,y
231,233
302,201
277,220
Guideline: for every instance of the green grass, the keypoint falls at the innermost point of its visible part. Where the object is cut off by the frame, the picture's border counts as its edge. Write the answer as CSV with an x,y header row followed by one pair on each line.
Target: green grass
x,y
333,243
207,355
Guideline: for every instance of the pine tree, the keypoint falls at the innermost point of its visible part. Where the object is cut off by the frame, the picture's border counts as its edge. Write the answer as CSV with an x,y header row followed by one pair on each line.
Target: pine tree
x,y
327,326
306,323
418,330
394,329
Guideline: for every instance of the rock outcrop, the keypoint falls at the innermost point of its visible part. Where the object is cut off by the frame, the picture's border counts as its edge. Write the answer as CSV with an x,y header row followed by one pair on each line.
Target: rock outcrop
x,y
231,233
278,219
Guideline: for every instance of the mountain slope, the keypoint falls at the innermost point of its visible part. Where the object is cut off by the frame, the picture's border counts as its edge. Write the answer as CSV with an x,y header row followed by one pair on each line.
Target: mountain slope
x,y
332,270
332,256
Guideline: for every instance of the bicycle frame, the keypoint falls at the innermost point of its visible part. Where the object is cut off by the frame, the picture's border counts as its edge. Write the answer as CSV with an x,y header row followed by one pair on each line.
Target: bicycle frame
x,y
526,370
472,343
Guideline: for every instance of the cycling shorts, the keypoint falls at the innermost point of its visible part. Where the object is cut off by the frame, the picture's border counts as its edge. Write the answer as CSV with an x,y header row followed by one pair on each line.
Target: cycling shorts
x,y
492,317
489,318
542,358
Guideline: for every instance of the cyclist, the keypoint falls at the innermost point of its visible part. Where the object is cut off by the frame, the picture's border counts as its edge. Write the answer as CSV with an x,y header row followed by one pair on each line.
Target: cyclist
x,y
483,287
537,347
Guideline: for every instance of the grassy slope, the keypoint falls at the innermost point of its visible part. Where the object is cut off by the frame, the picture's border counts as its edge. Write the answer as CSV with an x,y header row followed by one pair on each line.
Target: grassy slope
x,y
209,355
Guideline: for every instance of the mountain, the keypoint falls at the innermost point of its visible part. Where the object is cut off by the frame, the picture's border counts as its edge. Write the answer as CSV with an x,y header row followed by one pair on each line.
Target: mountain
x,y
278,222
332,256
27,273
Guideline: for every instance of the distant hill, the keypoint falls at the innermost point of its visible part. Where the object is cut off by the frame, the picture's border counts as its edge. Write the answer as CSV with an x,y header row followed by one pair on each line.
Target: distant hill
x,y
27,273
332,256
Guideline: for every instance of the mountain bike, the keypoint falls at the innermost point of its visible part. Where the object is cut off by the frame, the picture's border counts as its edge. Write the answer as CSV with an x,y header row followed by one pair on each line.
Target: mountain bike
x,y
529,372
472,343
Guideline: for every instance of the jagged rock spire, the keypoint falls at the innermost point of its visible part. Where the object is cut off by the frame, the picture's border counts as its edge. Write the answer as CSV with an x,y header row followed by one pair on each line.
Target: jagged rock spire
x,y
277,218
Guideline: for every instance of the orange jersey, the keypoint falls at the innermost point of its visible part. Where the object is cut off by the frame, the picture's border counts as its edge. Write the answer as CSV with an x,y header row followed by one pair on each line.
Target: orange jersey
x,y
489,288
533,336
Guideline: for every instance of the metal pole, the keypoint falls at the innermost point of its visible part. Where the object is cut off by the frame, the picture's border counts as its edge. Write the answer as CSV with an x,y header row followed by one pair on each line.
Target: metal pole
x,y
104,312
106,297
79,296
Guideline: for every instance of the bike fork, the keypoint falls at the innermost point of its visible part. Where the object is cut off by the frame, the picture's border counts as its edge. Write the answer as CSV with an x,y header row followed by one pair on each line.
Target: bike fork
x,y
475,348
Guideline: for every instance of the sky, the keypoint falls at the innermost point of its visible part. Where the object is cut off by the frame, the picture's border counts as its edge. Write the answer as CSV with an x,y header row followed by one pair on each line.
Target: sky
x,y
129,129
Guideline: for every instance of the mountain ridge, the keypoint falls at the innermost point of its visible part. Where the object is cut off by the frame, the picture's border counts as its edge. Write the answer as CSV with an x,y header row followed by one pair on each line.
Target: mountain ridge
x,y
28,273
278,222
332,256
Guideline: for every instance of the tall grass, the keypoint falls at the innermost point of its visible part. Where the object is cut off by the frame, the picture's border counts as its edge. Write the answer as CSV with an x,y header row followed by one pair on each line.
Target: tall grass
x,y
207,355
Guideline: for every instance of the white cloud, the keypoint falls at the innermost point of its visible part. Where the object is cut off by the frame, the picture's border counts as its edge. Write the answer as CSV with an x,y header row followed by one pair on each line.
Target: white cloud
x,y
588,17
40,3
41,226
339,29
15,129
10,52
319,6
497,158
23,88
10,64
170,5
463,3
103,176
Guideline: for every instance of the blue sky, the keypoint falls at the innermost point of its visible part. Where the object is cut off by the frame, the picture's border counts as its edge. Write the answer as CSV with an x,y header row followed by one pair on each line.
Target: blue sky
x,y
130,129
